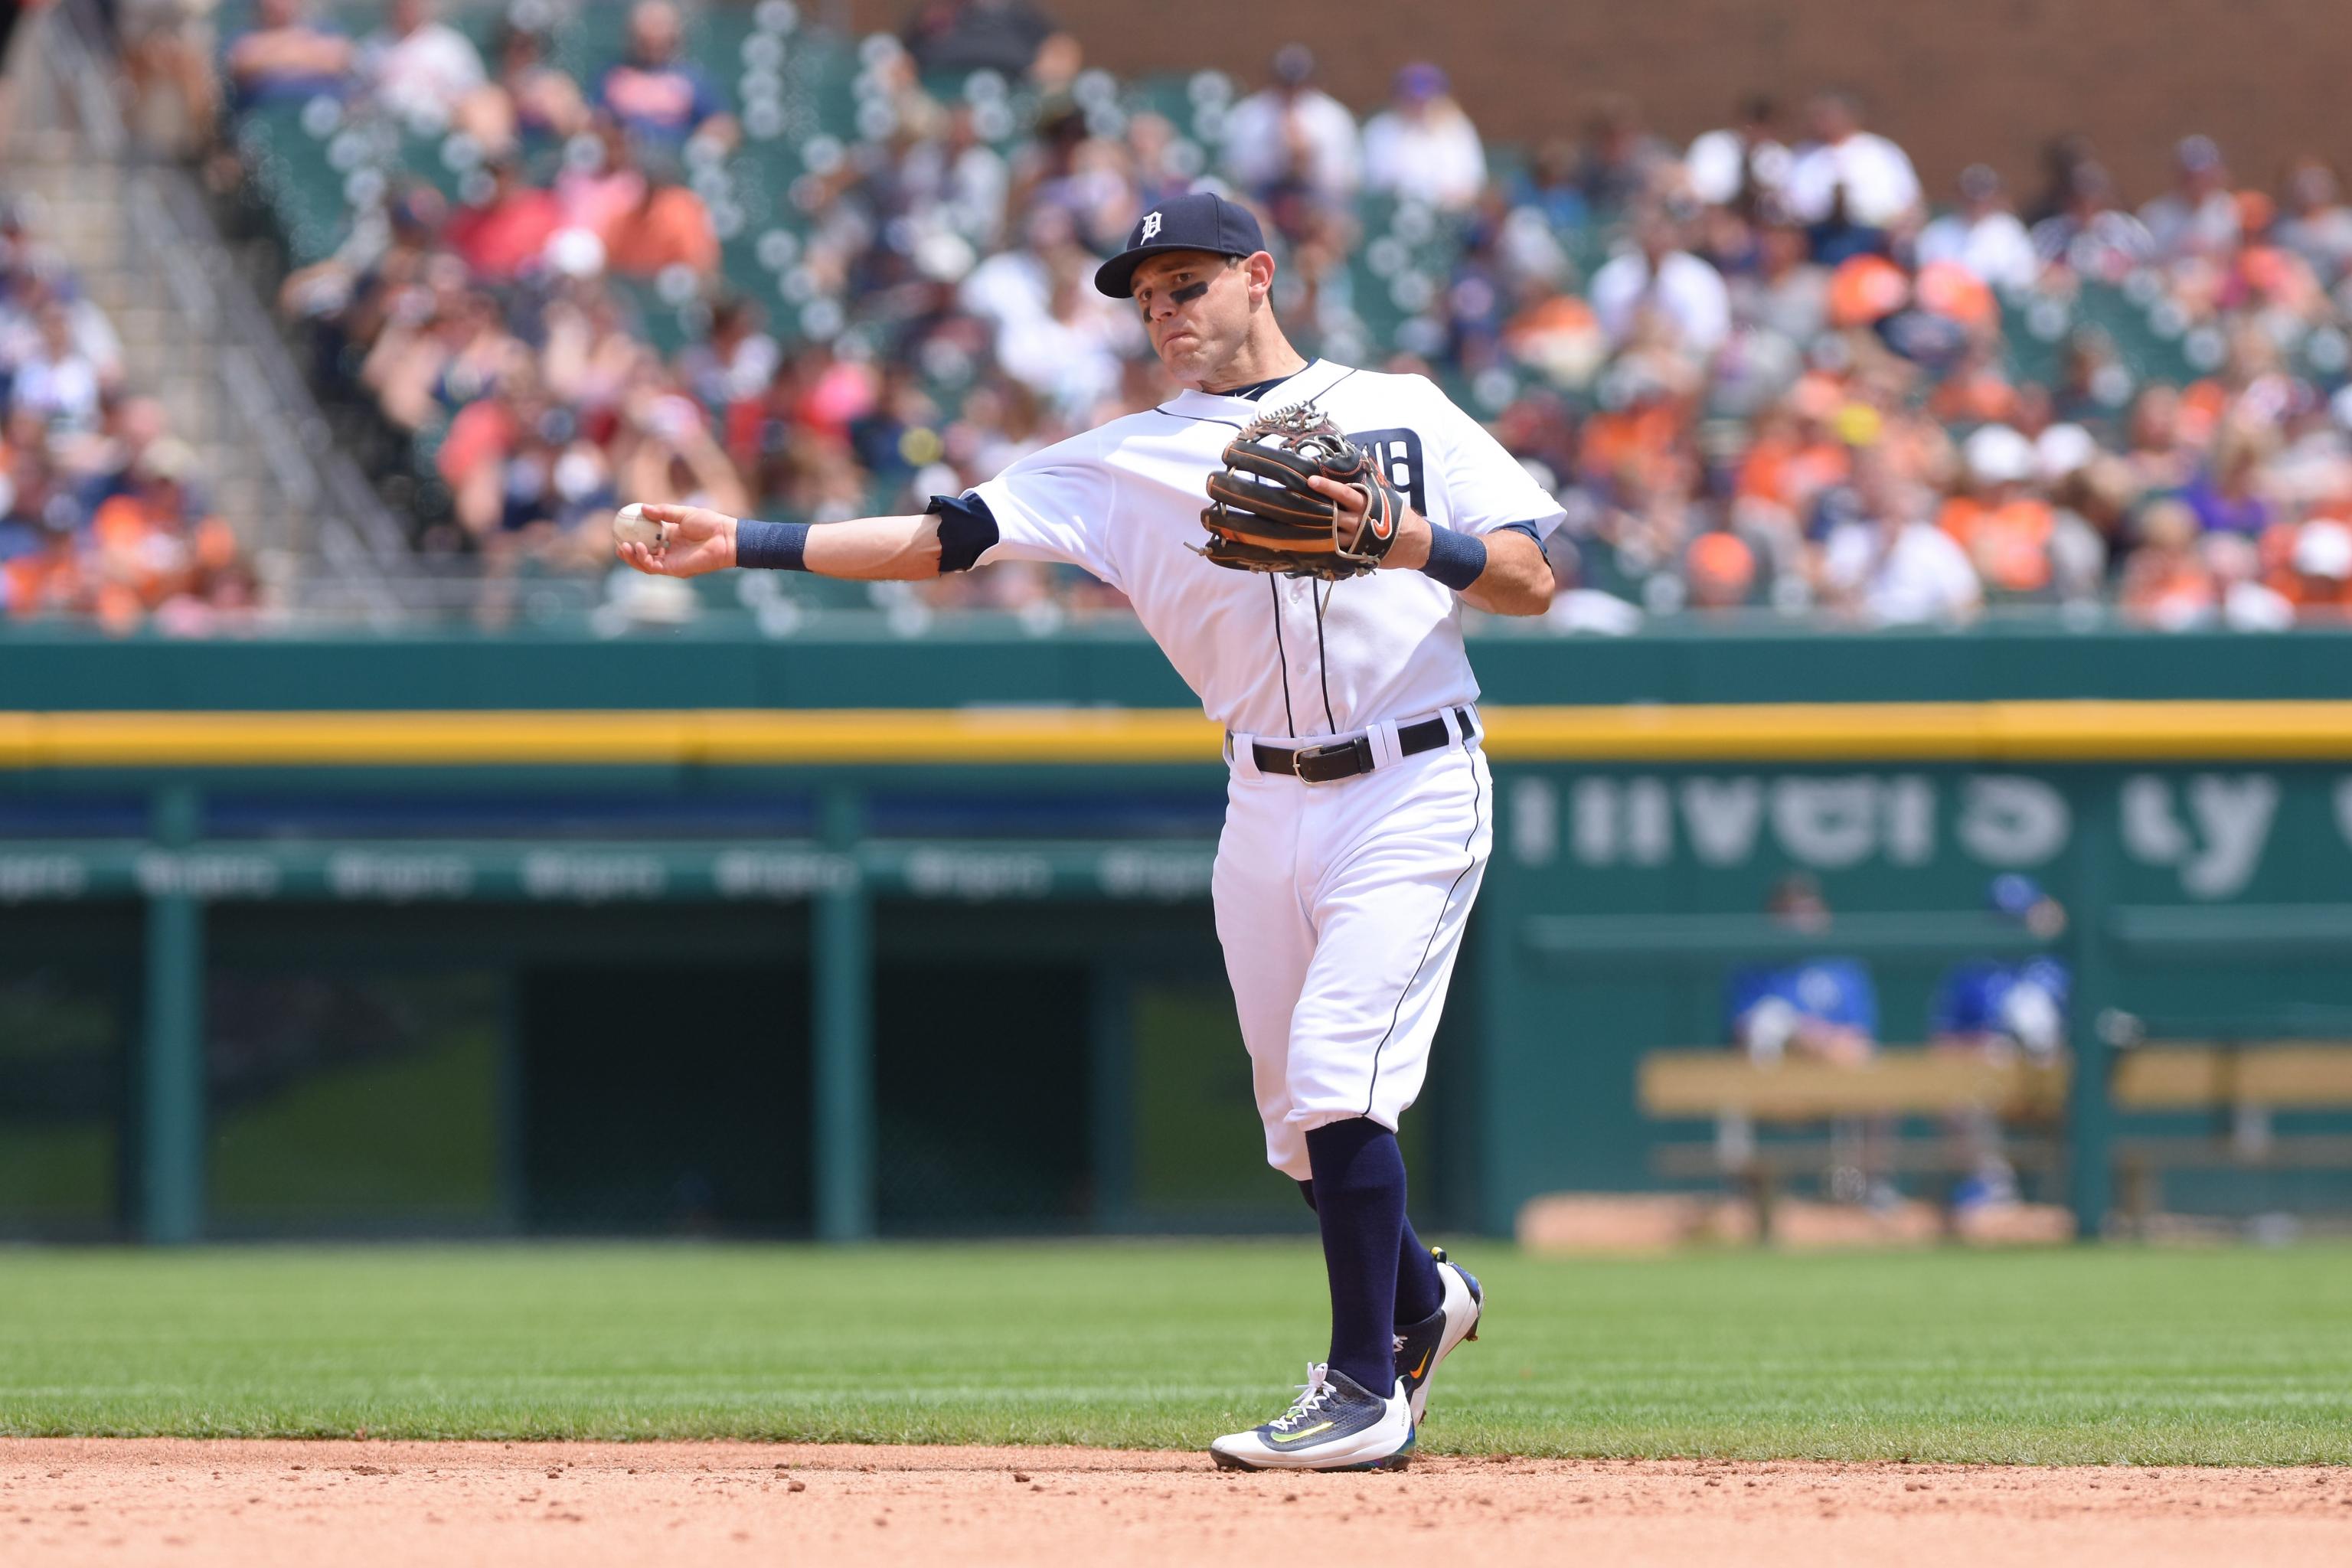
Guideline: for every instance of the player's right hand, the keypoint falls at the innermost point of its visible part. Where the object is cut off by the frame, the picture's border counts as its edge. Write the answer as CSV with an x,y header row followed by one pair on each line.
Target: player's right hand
x,y
694,540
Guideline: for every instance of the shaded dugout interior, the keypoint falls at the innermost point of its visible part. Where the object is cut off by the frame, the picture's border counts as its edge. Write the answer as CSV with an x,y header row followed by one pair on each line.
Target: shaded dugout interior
x,y
480,1069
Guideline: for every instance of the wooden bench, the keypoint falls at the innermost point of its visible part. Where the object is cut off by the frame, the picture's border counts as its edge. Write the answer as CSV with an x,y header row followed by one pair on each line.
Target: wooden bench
x,y
2240,1083
1740,1095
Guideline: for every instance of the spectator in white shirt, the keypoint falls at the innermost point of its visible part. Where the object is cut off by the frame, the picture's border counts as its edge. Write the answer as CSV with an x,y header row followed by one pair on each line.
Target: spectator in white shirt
x,y
1983,234
56,381
1016,284
1892,566
2246,603
1069,352
1656,282
1743,162
2197,217
2318,226
956,182
2091,235
1294,134
1422,146
25,302
1853,188
420,68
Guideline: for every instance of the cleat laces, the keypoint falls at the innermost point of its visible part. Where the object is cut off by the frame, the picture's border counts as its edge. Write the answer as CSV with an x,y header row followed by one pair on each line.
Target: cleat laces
x,y
1311,1395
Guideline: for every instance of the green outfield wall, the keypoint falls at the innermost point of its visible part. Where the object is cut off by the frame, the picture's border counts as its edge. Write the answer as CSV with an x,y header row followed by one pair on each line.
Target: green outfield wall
x,y
834,935
854,661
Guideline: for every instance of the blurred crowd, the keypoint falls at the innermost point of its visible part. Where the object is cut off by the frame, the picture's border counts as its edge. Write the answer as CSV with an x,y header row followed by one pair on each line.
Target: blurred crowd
x,y
1802,394
492,325
1767,371
103,513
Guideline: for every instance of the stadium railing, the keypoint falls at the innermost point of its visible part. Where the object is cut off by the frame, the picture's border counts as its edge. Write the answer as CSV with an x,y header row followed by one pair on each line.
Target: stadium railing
x,y
302,498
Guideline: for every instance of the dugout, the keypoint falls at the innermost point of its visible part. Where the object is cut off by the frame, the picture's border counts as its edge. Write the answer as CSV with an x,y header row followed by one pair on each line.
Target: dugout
x,y
594,1042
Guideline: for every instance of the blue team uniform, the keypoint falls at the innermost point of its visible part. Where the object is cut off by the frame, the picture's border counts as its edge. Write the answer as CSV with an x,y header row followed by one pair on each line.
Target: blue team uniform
x,y
1826,989
2024,1002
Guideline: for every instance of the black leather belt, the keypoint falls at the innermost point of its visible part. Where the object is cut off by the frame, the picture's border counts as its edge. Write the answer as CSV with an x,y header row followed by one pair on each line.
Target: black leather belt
x,y
1334,760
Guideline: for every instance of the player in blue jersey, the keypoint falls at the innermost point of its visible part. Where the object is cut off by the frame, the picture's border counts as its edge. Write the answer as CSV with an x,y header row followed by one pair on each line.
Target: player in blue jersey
x,y
1822,1007
1825,1008
2002,1009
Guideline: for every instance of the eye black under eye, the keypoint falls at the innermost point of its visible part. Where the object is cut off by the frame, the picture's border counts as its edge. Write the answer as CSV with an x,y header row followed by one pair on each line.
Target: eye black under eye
x,y
1188,293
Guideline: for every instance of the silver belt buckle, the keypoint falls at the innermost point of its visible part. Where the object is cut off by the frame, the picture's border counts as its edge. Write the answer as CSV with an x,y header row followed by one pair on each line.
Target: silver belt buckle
x,y
1327,748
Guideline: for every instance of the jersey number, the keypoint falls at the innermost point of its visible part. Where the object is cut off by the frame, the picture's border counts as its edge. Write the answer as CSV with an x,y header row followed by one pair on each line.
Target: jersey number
x,y
1398,454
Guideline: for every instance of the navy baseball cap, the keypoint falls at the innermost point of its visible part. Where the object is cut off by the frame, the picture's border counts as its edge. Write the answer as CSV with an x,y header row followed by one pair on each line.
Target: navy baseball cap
x,y
1201,221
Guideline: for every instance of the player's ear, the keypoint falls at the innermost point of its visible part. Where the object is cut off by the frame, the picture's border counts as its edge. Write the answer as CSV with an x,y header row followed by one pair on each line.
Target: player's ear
x,y
1259,267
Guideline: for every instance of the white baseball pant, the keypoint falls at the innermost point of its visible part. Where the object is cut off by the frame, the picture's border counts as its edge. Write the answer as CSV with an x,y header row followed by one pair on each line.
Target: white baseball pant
x,y
1340,907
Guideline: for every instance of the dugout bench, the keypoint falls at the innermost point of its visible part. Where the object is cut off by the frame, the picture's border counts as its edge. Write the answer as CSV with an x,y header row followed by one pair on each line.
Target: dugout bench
x,y
2241,1084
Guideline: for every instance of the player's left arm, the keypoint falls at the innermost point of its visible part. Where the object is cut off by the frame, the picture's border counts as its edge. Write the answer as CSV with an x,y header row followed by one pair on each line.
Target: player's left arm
x,y
1515,579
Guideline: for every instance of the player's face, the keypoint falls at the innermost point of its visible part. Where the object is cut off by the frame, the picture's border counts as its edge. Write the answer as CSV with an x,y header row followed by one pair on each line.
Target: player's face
x,y
1196,309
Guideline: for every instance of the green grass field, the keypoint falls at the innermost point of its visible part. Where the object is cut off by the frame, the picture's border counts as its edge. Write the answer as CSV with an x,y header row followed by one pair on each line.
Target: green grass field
x,y
2091,1355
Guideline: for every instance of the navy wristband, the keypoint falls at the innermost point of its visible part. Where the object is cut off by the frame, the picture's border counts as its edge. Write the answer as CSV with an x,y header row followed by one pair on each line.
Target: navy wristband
x,y
1454,559
779,546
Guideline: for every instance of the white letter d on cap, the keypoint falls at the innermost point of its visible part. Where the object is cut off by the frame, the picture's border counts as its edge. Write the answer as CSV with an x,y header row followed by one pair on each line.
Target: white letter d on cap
x,y
1150,228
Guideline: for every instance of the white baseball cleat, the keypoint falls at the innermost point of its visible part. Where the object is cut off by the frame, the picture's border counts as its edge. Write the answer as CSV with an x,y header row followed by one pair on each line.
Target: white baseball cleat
x,y
1423,1347
1335,1423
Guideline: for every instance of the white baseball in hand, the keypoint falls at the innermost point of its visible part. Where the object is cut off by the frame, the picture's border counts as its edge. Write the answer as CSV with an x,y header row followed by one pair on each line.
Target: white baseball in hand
x,y
632,526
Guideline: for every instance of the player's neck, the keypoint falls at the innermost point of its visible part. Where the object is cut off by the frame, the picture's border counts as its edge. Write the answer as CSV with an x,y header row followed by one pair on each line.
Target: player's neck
x,y
1262,357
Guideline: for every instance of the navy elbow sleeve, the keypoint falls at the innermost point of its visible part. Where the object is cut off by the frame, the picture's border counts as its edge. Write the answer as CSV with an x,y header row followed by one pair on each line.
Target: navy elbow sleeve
x,y
967,528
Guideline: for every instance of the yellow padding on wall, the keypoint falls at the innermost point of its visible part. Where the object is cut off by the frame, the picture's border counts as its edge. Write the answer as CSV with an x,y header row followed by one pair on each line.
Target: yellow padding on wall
x,y
1791,732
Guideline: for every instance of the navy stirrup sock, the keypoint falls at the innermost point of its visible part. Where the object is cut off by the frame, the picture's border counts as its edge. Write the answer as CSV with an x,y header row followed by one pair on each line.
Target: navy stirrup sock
x,y
1420,1290
1359,1199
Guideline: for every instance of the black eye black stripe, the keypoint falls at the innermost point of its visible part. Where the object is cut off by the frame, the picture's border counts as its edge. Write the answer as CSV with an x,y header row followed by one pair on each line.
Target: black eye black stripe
x,y
1187,294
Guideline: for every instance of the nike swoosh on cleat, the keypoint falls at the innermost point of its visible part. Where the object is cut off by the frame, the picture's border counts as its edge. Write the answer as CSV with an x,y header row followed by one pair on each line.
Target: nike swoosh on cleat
x,y
1294,1437
1416,1371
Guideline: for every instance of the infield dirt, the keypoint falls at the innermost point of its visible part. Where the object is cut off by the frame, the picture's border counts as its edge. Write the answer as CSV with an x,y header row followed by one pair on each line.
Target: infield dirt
x,y
198,1503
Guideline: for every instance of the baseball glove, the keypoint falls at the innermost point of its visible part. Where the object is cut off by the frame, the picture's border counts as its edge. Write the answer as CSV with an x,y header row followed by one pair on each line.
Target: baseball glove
x,y
1263,515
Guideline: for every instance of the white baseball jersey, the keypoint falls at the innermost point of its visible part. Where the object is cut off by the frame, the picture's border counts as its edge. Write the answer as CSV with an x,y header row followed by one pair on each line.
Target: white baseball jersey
x,y
1267,654
1340,906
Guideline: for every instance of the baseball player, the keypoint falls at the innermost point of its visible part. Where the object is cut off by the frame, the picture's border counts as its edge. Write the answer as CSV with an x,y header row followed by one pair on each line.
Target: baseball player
x,y
1314,606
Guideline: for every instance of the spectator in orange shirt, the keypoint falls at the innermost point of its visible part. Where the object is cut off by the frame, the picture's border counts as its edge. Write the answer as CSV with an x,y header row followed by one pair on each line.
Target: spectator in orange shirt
x,y
152,541
1794,457
669,228
1977,391
1721,570
2318,577
2004,528
1553,332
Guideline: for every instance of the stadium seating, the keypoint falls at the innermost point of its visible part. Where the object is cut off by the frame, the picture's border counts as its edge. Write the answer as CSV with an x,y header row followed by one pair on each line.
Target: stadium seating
x,y
808,99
